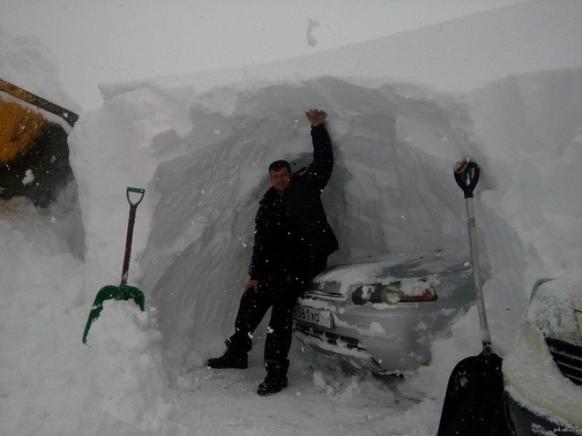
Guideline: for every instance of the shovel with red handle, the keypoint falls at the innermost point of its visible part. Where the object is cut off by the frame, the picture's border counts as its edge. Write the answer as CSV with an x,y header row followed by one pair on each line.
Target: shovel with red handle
x,y
123,291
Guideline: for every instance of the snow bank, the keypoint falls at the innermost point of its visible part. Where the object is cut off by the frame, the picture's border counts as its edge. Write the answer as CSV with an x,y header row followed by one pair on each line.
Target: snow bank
x,y
529,128
129,381
28,63
556,308
201,147
207,183
49,382
535,381
201,151
455,56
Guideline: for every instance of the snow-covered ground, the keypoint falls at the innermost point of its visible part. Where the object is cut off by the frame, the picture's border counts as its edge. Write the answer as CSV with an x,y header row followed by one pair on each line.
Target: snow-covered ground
x,y
503,86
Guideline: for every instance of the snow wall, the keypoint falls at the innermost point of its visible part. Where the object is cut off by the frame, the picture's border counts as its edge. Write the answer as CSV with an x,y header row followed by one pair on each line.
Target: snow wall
x,y
200,147
203,157
402,110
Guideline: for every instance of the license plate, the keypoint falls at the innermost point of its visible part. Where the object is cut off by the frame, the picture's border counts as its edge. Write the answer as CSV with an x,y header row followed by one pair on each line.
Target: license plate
x,y
313,316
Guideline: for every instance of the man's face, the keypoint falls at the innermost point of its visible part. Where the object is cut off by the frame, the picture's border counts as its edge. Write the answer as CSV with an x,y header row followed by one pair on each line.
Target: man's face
x,y
280,179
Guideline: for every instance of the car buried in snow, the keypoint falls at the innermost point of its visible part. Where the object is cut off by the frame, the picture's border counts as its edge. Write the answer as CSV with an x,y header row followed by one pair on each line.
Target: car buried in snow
x,y
543,372
382,315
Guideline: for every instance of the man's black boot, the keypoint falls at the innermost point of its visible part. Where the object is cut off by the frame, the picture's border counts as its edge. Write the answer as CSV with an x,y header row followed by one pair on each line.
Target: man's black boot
x,y
276,378
232,358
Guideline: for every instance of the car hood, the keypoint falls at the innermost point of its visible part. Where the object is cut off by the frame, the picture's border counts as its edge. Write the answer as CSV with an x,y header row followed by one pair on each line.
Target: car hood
x,y
556,309
531,375
436,269
532,379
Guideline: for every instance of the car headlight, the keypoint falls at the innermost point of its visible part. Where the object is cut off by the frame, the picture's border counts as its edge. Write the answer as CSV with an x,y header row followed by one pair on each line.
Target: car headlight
x,y
390,294
362,294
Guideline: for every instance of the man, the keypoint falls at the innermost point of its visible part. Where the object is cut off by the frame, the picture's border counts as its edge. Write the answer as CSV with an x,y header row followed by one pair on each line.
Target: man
x,y
292,242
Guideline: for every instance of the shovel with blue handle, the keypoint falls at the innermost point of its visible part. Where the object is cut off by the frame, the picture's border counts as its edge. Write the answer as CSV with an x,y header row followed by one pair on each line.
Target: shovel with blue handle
x,y
123,291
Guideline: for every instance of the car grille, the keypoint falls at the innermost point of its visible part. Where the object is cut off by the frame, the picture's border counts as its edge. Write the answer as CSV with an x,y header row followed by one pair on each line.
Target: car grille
x,y
322,295
326,291
568,357
330,338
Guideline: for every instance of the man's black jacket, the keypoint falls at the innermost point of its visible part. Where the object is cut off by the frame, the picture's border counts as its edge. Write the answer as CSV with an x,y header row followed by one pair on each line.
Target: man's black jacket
x,y
291,231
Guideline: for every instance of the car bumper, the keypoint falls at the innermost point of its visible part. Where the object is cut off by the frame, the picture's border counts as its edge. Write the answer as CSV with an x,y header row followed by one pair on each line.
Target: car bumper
x,y
526,422
392,340
540,398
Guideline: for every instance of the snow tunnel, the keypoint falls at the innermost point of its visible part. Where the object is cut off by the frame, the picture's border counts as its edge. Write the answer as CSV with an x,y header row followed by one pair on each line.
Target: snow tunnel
x,y
208,170
381,199
203,158
504,89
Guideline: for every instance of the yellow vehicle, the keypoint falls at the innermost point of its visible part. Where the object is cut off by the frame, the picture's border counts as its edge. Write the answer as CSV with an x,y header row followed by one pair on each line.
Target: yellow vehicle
x,y
34,154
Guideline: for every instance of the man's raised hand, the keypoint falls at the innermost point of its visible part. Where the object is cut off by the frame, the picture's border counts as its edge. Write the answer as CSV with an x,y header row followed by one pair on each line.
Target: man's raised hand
x,y
251,287
315,116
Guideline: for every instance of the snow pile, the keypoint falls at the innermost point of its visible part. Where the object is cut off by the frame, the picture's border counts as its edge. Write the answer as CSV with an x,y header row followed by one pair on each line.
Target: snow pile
x,y
47,375
530,130
116,384
387,194
401,111
202,149
556,309
207,183
537,382
32,384
28,63
113,156
464,341
455,56
129,382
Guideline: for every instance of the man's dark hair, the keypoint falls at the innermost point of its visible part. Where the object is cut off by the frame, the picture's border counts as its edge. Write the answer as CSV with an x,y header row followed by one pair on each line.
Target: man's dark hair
x,y
279,164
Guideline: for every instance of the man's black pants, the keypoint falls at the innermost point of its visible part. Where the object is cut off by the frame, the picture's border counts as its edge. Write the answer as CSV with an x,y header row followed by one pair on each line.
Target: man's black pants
x,y
281,293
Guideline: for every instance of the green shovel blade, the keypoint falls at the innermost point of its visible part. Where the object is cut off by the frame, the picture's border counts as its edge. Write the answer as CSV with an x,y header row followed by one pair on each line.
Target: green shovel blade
x,y
121,292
